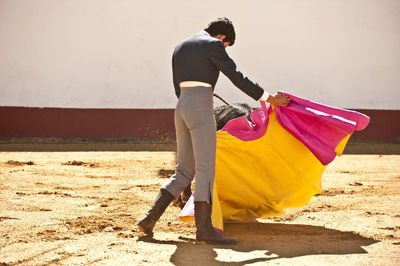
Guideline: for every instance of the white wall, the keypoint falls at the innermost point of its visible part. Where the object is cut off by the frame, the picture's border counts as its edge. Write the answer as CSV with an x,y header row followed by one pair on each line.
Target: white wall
x,y
117,53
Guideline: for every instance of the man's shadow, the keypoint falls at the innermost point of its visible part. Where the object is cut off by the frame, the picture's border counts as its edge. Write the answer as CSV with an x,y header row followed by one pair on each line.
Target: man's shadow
x,y
260,242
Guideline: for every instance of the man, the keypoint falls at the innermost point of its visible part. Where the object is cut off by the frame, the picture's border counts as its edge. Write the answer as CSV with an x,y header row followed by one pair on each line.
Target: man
x,y
196,64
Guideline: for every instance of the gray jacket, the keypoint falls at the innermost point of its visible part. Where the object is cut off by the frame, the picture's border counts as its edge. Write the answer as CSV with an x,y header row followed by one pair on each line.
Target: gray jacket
x,y
201,57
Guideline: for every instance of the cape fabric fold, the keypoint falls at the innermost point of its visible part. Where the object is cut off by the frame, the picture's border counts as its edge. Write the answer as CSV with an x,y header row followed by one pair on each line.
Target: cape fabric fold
x,y
277,161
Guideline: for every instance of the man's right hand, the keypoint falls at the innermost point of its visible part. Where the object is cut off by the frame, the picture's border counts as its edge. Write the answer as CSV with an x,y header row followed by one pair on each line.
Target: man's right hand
x,y
278,99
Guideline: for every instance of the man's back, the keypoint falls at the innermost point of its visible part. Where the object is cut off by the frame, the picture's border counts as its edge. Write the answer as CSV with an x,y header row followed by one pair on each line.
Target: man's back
x,y
201,57
191,60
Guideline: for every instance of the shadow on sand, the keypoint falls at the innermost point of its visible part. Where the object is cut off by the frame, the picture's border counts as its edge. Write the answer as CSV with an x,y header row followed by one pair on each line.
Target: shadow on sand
x,y
261,242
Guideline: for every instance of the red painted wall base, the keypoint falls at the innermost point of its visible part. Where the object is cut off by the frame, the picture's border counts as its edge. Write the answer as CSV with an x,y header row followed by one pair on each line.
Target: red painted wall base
x,y
28,122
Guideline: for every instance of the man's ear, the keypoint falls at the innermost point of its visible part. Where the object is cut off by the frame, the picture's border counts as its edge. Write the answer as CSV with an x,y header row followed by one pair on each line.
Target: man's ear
x,y
221,37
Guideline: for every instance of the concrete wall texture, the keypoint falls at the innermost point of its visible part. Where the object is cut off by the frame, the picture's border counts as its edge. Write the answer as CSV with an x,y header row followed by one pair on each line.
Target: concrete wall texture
x,y
116,54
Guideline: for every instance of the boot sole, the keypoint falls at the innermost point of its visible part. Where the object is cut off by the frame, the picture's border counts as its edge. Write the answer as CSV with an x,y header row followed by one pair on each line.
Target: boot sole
x,y
144,230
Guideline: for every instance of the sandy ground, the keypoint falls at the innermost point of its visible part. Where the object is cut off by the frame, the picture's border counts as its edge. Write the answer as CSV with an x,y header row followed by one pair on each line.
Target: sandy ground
x,y
82,207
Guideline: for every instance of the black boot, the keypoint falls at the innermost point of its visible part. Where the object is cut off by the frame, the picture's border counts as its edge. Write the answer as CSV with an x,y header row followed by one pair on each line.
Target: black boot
x,y
162,201
205,231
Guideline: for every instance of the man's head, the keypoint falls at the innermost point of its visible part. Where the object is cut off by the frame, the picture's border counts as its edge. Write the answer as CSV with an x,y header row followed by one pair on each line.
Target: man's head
x,y
222,28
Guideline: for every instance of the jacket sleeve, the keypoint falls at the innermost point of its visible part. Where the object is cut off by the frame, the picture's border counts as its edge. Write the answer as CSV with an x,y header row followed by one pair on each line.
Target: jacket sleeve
x,y
223,62
176,84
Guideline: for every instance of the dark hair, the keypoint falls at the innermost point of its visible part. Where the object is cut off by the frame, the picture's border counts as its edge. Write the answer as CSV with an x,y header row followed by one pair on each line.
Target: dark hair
x,y
222,26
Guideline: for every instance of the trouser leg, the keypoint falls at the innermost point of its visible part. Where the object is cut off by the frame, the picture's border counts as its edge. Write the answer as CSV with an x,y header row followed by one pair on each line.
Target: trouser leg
x,y
204,147
184,172
177,182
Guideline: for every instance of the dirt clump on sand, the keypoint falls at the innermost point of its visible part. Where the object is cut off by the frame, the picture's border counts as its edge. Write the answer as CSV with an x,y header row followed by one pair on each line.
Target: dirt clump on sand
x,y
17,163
82,208
80,163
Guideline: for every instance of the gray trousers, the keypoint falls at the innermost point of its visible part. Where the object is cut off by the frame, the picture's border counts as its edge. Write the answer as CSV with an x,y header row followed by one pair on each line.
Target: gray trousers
x,y
196,143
